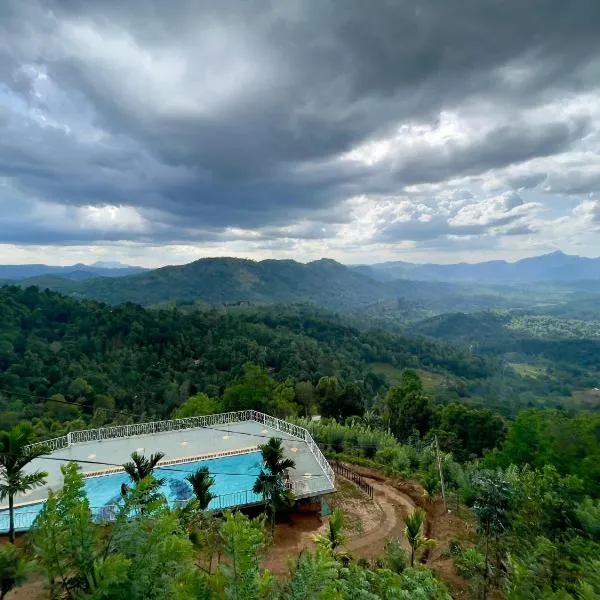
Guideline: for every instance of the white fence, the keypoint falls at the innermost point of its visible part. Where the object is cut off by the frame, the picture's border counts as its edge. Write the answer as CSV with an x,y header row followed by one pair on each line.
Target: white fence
x,y
301,488
207,421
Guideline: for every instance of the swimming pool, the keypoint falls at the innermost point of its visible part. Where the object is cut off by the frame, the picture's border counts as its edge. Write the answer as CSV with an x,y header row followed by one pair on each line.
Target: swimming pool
x,y
234,477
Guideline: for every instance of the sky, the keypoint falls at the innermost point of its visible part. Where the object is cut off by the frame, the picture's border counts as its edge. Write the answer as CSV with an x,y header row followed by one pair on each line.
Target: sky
x,y
153,132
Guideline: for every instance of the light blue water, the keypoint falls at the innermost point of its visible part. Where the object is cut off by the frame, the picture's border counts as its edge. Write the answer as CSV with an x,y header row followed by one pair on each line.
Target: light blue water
x,y
234,477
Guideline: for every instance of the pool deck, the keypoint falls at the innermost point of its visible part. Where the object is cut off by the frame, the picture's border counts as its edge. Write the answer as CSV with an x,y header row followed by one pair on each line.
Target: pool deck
x,y
185,443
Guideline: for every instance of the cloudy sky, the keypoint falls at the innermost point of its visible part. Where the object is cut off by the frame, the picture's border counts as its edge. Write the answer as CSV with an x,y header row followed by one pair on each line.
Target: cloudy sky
x,y
156,132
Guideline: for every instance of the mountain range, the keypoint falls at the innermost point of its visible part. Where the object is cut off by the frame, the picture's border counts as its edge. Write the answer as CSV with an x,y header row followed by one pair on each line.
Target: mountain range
x,y
555,267
323,282
75,272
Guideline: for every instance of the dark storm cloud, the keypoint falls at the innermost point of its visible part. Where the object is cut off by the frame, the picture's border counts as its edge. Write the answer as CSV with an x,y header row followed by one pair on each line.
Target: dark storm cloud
x,y
206,115
510,143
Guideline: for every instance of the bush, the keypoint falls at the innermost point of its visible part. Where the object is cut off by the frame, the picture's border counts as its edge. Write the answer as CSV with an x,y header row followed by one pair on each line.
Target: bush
x,y
395,556
469,564
354,439
12,569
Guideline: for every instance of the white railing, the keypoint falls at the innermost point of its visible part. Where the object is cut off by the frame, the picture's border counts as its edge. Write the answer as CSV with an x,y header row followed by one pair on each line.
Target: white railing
x,y
53,444
125,431
303,434
207,421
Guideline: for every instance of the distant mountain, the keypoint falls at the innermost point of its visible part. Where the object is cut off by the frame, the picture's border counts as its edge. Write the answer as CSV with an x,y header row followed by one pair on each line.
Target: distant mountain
x,y
554,267
75,272
109,264
324,282
228,280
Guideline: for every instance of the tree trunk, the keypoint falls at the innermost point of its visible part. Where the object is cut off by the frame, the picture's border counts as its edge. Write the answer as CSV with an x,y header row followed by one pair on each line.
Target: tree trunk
x,y
485,573
11,517
272,521
412,555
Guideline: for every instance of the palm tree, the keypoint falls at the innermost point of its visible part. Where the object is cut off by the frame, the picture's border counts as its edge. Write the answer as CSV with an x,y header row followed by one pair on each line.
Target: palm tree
x,y
272,489
335,536
15,455
141,467
273,457
201,482
413,532
270,483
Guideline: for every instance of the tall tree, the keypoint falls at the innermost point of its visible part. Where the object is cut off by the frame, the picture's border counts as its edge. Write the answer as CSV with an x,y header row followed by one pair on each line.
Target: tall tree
x,y
197,406
201,482
254,390
282,404
15,455
340,402
305,396
328,391
491,507
408,408
243,539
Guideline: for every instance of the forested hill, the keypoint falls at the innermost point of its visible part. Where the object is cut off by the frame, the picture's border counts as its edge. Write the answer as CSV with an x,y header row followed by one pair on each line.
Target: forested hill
x,y
150,361
557,356
218,280
324,282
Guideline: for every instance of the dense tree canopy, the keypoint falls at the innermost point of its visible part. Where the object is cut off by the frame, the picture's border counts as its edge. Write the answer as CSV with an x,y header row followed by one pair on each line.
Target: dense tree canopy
x,y
408,407
571,445
56,351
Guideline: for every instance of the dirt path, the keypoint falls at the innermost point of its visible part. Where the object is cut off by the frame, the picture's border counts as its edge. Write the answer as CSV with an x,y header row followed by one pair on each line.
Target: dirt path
x,y
369,523
442,526
394,505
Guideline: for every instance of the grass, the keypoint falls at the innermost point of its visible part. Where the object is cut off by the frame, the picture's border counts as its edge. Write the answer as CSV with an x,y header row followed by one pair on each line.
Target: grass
x,y
526,370
391,373
431,381
585,399
347,490
353,502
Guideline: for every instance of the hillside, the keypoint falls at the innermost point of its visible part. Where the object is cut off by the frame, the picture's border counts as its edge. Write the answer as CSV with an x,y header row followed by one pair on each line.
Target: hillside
x,y
149,361
229,280
325,283
558,357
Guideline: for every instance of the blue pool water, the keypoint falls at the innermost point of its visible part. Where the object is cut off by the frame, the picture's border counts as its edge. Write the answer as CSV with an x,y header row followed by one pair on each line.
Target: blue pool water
x,y
234,477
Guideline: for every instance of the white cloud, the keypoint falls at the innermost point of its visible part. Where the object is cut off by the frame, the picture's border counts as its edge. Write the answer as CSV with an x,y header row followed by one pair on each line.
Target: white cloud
x,y
277,131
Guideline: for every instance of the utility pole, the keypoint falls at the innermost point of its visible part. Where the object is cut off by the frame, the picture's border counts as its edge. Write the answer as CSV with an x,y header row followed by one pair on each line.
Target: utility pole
x,y
439,462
